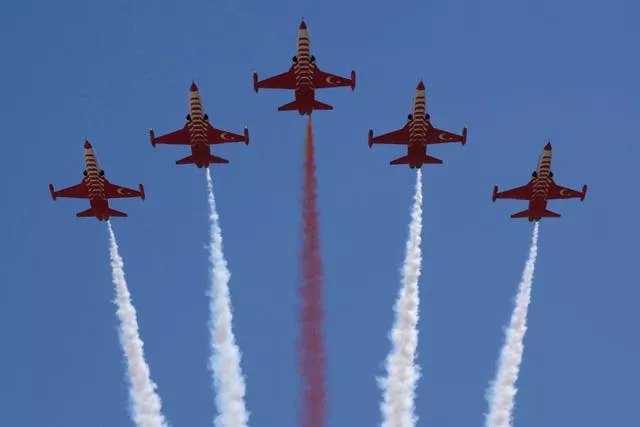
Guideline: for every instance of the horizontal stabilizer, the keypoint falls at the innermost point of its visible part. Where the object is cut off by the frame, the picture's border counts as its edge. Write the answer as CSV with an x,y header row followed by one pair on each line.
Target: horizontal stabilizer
x,y
90,212
295,105
425,159
187,160
292,106
113,212
212,159
317,105
216,159
84,214
549,214
528,214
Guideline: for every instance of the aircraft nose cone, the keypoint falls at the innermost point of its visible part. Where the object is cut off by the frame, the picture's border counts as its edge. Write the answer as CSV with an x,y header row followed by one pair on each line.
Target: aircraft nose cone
x,y
87,144
548,146
193,87
420,86
303,26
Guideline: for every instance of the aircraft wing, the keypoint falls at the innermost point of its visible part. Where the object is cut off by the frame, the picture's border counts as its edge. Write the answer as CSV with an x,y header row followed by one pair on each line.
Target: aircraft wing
x,y
179,137
518,193
79,191
286,80
322,80
399,136
439,136
117,192
559,192
217,136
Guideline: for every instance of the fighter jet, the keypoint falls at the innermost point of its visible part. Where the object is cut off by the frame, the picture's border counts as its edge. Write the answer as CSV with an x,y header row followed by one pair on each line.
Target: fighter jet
x,y
539,190
416,134
97,189
304,77
199,134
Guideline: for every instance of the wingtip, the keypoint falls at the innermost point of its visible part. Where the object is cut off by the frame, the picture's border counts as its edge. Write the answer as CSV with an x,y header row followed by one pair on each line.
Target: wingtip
x,y
464,135
152,137
495,193
370,138
353,80
52,191
584,192
246,135
255,82
142,193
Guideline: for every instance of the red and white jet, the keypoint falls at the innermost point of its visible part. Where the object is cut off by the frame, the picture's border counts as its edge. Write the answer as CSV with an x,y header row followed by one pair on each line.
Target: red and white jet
x,y
97,189
304,77
199,133
416,134
539,191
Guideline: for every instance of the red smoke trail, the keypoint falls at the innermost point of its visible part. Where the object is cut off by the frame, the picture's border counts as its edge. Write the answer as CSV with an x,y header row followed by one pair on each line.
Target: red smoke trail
x,y
310,344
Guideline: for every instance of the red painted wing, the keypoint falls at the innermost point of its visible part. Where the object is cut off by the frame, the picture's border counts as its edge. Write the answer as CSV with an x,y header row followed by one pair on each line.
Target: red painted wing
x,y
217,136
322,80
439,136
559,192
117,192
76,191
519,193
400,136
286,80
179,137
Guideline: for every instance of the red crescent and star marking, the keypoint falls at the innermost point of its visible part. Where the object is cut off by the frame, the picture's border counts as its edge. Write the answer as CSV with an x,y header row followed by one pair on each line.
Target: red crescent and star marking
x,y
330,81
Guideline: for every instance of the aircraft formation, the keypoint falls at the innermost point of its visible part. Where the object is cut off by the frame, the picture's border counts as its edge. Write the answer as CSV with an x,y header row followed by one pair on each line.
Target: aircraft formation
x,y
304,77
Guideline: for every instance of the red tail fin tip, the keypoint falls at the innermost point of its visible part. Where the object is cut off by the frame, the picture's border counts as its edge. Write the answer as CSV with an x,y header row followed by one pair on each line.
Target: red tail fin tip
x,y
152,136
370,138
246,136
142,195
53,193
495,193
584,192
353,80
464,135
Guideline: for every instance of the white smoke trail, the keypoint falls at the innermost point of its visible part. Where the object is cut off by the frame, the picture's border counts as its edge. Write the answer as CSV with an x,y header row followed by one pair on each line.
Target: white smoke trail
x,y
146,406
503,391
402,372
225,357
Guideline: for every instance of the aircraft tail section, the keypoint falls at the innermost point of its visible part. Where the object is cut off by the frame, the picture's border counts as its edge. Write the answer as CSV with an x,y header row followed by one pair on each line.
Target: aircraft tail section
x,y
113,212
317,105
212,159
426,159
90,212
187,160
296,106
84,214
529,214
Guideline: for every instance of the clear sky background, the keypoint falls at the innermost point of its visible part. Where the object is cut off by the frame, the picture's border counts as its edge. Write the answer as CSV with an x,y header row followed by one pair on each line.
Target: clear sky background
x,y
516,73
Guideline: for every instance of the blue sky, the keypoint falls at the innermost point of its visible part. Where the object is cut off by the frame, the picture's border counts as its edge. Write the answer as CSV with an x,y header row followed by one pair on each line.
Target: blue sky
x,y
516,73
